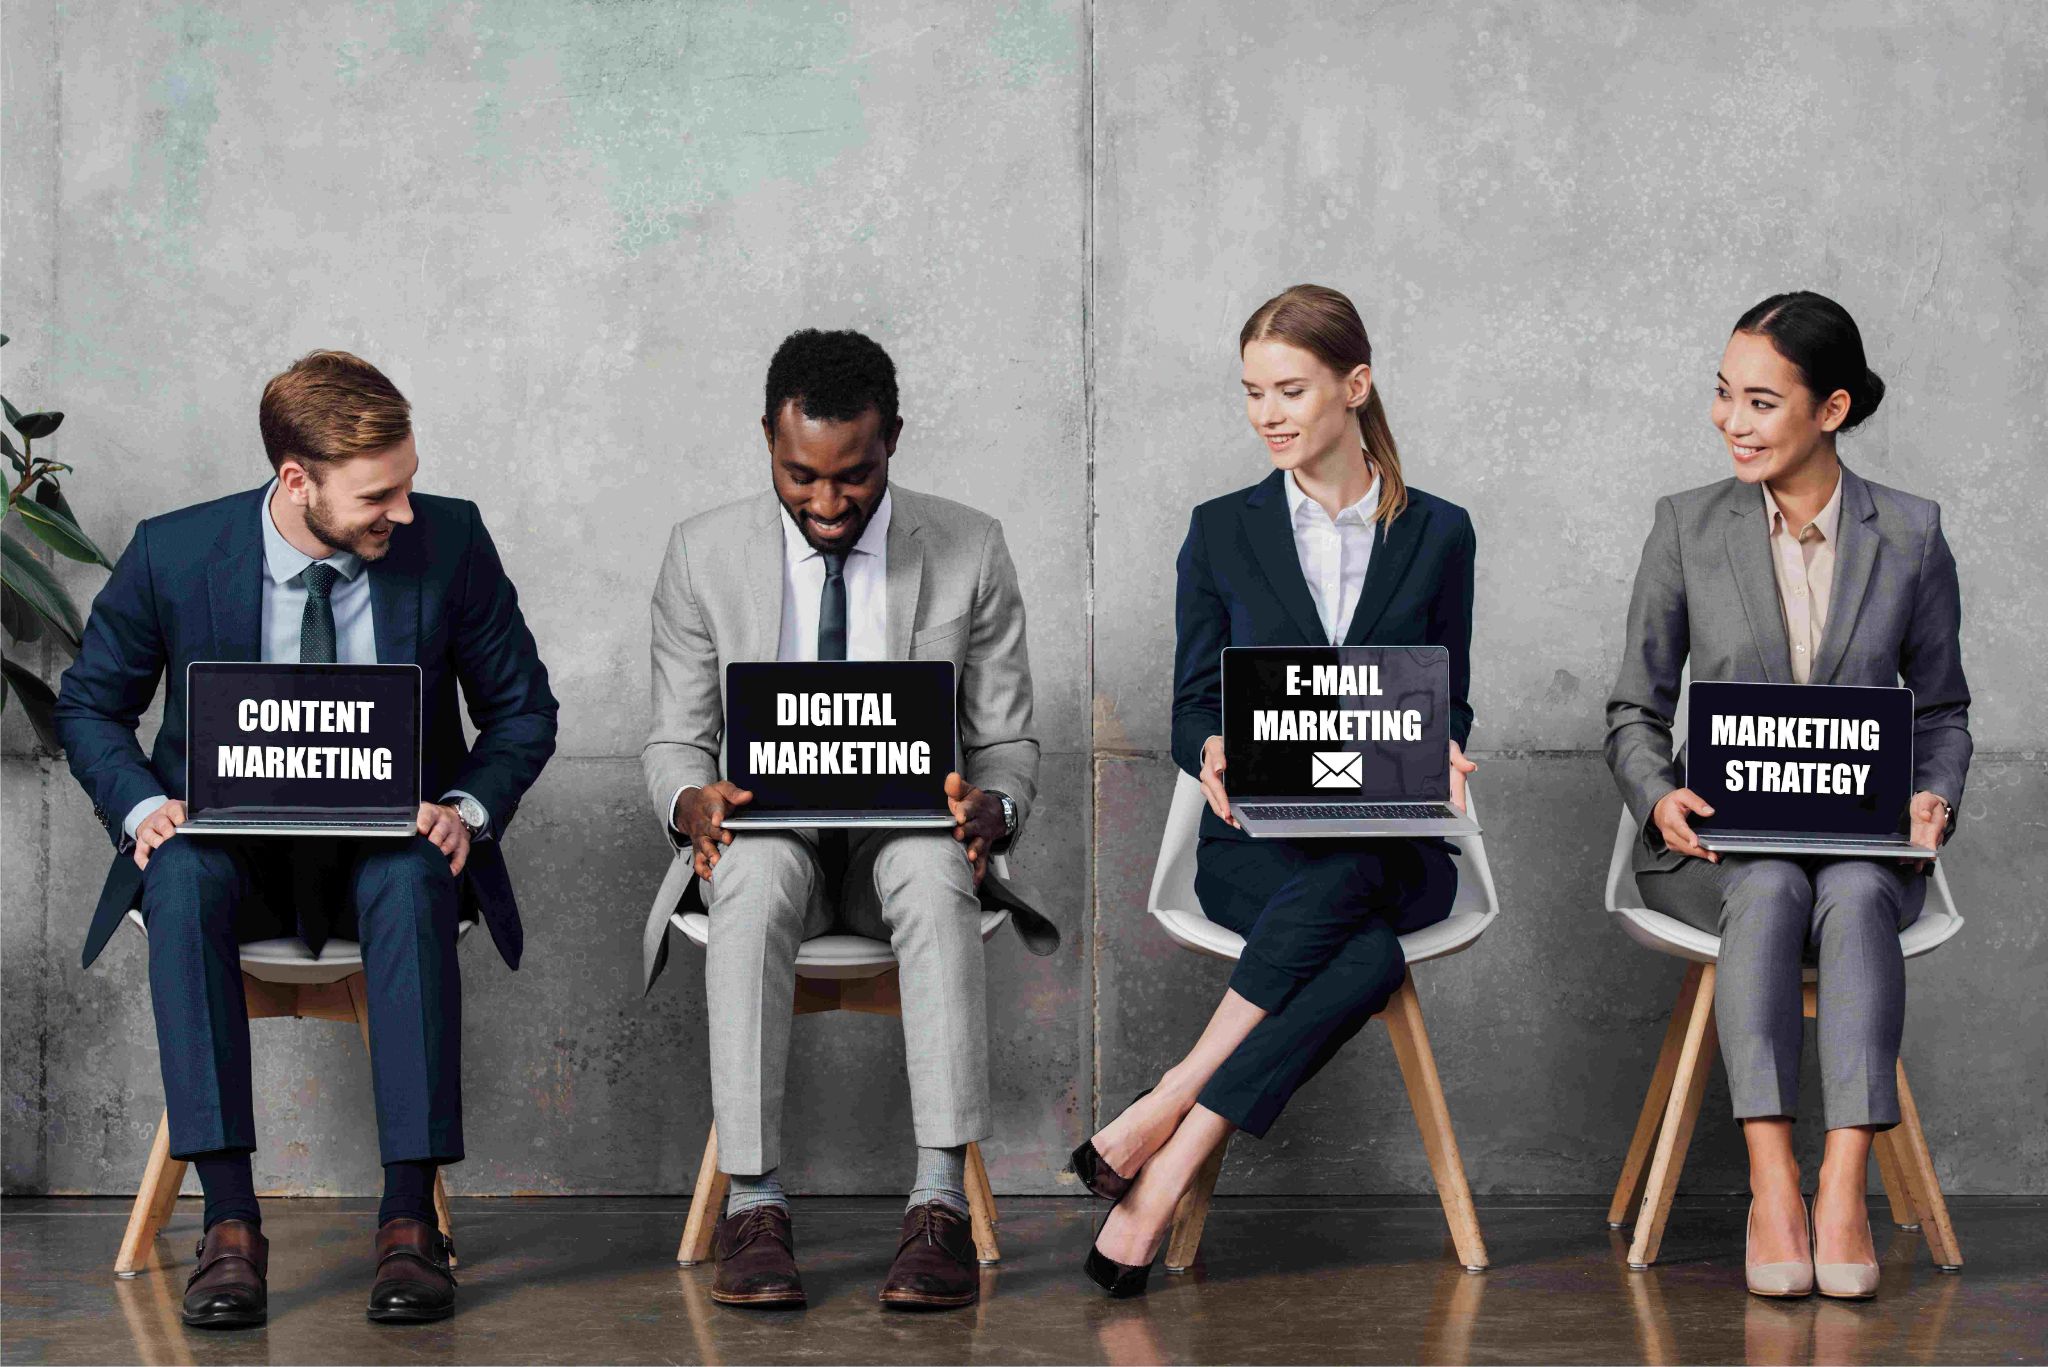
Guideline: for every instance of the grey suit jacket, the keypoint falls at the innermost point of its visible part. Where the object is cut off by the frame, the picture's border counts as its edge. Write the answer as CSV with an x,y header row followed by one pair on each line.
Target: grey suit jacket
x,y
952,595
1705,591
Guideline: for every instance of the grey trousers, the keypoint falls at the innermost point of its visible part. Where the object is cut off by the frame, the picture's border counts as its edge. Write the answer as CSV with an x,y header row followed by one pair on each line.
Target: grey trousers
x,y
912,888
1774,916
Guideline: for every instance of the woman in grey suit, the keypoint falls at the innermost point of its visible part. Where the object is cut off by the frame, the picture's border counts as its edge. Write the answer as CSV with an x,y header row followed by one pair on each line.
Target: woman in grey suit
x,y
1795,570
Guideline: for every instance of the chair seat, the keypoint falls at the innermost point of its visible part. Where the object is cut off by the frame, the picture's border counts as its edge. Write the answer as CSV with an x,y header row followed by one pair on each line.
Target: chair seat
x,y
288,959
830,956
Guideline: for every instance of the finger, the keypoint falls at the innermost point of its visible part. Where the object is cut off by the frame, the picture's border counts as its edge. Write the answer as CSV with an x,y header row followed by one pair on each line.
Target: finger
x,y
461,858
722,836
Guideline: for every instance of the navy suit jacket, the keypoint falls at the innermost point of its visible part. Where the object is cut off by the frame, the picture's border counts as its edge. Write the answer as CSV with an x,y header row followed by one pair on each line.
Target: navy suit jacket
x,y
189,587
1241,585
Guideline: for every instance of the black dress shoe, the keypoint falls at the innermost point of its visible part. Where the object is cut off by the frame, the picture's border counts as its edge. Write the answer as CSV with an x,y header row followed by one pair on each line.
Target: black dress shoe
x,y
414,1284
1098,1176
226,1290
935,1266
1121,1280
756,1252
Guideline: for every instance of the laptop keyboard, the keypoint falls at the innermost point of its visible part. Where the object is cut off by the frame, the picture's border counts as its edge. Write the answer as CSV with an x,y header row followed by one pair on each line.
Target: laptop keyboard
x,y
1349,811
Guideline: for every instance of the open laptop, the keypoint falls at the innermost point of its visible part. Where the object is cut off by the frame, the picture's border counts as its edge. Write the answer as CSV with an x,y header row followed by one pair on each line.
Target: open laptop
x,y
1339,741
291,749
864,743
1802,768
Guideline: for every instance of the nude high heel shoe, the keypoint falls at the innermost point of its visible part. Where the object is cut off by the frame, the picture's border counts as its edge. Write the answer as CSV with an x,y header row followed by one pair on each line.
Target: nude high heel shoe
x,y
1844,1281
1787,1280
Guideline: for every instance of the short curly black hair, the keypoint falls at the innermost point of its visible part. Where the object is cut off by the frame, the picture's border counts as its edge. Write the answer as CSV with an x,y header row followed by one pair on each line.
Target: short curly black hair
x,y
836,376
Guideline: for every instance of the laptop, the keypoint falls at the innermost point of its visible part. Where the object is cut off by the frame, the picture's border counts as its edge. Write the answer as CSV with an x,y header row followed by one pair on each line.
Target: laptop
x,y
292,749
864,743
1802,768
1339,741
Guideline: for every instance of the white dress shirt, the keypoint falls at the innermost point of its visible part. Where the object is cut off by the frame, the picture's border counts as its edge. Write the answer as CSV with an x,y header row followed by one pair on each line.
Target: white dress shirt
x,y
803,592
1333,554
867,591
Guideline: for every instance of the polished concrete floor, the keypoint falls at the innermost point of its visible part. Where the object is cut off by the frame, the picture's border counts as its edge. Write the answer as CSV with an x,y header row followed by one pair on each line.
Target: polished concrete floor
x,y
590,1281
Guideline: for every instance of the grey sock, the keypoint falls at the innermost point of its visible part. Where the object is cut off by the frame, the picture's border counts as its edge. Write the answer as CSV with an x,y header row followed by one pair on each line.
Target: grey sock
x,y
748,1192
941,1177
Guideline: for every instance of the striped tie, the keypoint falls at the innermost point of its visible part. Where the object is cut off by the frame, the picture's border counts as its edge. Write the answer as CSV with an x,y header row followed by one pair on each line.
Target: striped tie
x,y
316,628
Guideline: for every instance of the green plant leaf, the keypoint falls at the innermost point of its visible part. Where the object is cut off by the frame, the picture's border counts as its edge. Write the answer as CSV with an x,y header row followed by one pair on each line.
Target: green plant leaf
x,y
37,699
31,579
3,339
51,496
59,532
35,425
20,620
13,413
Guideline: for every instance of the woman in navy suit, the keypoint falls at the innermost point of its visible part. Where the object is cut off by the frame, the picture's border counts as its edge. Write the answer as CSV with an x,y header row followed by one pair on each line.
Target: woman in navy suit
x,y
1331,548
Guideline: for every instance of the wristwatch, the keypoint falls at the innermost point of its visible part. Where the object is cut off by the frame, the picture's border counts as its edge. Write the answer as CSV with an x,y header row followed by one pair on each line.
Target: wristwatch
x,y
473,815
1009,812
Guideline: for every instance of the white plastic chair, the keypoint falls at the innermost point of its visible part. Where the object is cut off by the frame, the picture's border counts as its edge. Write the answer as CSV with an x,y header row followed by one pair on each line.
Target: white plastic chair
x,y
280,977
1173,904
1683,1062
836,973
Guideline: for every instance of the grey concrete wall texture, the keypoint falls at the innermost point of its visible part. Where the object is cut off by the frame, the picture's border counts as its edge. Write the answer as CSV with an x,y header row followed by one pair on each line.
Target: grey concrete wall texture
x,y
574,232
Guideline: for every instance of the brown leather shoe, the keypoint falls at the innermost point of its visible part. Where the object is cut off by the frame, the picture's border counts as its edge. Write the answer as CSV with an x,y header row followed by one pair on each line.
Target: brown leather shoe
x,y
413,1282
757,1260
935,1267
226,1290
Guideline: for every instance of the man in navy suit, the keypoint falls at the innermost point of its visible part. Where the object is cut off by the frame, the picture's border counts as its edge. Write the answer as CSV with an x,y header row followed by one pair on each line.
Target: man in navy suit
x,y
336,560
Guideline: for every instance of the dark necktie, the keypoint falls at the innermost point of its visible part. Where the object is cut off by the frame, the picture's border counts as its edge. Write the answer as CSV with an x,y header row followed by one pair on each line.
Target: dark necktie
x,y
832,848
316,628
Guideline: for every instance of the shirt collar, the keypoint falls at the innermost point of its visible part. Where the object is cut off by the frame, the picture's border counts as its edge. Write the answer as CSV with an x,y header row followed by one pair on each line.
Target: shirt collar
x,y
1825,522
1301,505
285,562
873,537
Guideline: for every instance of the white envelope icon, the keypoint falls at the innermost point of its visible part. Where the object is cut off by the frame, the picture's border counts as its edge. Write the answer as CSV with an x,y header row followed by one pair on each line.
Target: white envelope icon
x,y
1339,769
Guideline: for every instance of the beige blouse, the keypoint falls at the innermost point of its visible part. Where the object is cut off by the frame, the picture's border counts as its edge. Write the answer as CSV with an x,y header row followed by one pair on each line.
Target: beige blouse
x,y
1804,561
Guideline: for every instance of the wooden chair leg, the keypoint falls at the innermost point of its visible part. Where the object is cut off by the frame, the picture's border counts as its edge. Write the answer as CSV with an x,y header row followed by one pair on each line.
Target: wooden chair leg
x,y
707,1204
981,1209
1433,1118
1910,1145
1193,1212
1898,1191
1681,1111
1628,1189
161,1179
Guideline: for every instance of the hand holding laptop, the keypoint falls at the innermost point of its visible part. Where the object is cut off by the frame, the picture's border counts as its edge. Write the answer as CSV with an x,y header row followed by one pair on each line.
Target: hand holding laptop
x,y
1928,816
979,819
1212,779
1460,766
1670,815
159,826
700,819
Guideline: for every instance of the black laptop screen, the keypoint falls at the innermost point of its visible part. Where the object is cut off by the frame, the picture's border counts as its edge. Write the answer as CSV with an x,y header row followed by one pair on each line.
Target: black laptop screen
x,y
302,738
1800,759
1342,723
840,736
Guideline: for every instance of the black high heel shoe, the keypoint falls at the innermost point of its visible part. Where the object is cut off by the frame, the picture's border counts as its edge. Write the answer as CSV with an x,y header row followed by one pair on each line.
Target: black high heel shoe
x,y
1096,1174
1121,1280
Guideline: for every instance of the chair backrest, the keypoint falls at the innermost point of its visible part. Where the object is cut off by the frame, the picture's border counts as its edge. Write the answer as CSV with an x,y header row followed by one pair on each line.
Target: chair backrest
x,y
1173,875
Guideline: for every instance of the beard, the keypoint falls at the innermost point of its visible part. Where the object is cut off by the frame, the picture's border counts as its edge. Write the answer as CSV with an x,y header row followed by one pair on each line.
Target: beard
x,y
856,528
358,542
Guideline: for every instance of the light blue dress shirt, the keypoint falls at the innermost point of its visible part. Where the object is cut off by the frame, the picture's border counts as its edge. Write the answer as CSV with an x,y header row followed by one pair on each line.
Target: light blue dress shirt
x,y
284,611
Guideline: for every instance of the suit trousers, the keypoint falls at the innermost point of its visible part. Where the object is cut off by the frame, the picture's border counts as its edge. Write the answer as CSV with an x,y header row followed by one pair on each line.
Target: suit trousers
x,y
1321,921
1774,916
912,888
205,896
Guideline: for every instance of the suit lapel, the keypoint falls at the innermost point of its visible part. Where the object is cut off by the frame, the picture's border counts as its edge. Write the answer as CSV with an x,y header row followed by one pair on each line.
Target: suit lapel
x,y
1393,551
763,559
395,607
234,582
905,576
1855,555
1267,527
1749,558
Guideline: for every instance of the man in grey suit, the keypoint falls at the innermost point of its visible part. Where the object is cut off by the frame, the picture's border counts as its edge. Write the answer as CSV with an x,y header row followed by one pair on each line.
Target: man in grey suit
x,y
835,564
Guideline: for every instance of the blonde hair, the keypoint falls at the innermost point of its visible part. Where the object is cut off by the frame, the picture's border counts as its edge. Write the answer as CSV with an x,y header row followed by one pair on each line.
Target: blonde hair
x,y
327,407
1323,323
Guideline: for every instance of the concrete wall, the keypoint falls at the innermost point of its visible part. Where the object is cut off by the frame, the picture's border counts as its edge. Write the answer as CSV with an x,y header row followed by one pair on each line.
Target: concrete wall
x,y
573,233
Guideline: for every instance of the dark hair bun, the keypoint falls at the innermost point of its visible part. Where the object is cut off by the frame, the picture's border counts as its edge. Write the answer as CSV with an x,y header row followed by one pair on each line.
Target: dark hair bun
x,y
1864,399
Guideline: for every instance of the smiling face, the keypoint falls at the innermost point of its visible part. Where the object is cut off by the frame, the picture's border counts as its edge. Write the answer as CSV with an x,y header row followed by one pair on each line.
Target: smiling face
x,y
353,504
1773,424
830,475
1304,411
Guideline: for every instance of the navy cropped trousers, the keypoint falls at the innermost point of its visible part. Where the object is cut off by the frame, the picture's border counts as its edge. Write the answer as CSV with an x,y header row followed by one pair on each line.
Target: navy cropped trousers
x,y
203,897
1320,920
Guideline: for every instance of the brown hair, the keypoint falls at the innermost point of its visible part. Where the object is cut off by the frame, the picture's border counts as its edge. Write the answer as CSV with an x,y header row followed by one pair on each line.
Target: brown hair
x,y
327,407
1323,323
